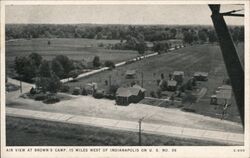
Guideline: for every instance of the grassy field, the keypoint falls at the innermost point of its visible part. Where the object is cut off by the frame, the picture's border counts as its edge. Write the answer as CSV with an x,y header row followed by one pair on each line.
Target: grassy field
x,y
205,58
76,49
28,132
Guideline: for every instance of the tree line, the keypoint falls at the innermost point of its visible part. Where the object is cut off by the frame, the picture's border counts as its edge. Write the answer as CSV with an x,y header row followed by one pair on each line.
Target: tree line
x,y
121,32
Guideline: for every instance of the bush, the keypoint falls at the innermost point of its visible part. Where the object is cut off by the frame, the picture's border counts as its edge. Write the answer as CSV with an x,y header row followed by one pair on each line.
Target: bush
x,y
65,88
40,97
109,64
51,100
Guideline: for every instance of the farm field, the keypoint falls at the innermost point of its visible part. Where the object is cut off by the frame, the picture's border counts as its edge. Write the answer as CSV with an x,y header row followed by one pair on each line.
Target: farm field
x,y
205,58
75,49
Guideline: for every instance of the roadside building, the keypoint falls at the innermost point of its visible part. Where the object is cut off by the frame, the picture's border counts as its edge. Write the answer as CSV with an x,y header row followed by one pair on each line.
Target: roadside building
x,y
178,76
223,95
201,76
171,85
125,96
130,74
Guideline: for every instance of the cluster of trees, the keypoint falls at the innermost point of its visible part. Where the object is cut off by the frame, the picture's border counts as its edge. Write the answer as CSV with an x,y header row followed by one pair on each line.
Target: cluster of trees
x,y
45,74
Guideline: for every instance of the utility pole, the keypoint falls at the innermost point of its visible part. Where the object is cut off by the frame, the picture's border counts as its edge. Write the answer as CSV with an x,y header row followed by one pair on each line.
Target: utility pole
x,y
230,56
139,133
140,120
142,79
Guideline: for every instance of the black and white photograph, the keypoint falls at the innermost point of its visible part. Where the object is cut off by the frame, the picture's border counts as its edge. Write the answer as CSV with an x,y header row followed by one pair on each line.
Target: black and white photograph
x,y
124,75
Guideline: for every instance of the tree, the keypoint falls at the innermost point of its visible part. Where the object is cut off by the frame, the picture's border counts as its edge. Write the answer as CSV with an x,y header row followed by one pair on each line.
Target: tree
x,y
212,36
36,59
57,68
188,37
141,47
44,69
96,61
66,63
25,68
109,64
202,36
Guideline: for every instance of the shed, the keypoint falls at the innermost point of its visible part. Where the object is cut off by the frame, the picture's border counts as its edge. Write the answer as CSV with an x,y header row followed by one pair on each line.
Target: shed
x,y
201,76
130,73
125,96
171,85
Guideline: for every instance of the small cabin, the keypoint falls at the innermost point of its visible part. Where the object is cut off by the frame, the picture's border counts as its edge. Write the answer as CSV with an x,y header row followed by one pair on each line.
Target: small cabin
x,y
130,74
201,76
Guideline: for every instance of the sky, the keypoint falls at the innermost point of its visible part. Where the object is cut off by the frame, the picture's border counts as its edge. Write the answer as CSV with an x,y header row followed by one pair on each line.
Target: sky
x,y
165,14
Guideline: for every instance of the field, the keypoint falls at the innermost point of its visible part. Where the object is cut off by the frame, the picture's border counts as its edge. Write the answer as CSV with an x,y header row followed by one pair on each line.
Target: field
x,y
28,132
76,49
205,58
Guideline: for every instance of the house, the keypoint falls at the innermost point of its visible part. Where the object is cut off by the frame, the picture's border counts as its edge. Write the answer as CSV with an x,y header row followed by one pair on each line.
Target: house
x,y
125,96
223,95
171,85
178,76
201,76
130,74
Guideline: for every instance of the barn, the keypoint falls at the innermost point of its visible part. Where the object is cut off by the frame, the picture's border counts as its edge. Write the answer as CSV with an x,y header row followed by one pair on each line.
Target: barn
x,y
201,76
125,96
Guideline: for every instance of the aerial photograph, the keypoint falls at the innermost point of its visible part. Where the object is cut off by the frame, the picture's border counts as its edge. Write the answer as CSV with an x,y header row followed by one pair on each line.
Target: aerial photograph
x,y
124,75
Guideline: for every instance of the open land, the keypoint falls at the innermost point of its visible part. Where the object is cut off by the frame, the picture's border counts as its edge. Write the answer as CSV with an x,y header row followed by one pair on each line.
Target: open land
x,y
206,57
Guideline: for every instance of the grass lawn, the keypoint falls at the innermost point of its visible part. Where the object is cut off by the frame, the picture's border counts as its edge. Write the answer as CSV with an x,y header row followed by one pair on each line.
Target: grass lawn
x,y
29,132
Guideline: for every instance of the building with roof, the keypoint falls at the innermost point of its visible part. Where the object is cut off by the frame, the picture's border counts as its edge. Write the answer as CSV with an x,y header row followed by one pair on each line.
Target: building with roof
x,y
178,76
125,96
171,85
223,95
130,74
201,76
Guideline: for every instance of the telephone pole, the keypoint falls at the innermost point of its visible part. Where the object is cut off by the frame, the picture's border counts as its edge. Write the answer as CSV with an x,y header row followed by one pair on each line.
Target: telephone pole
x,y
142,79
139,133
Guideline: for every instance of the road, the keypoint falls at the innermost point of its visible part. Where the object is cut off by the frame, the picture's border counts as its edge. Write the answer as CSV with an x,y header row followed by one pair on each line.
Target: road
x,y
158,129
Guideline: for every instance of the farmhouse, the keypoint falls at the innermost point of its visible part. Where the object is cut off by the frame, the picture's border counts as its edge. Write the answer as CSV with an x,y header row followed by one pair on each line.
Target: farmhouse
x,y
171,85
130,74
222,96
201,76
125,96
178,76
